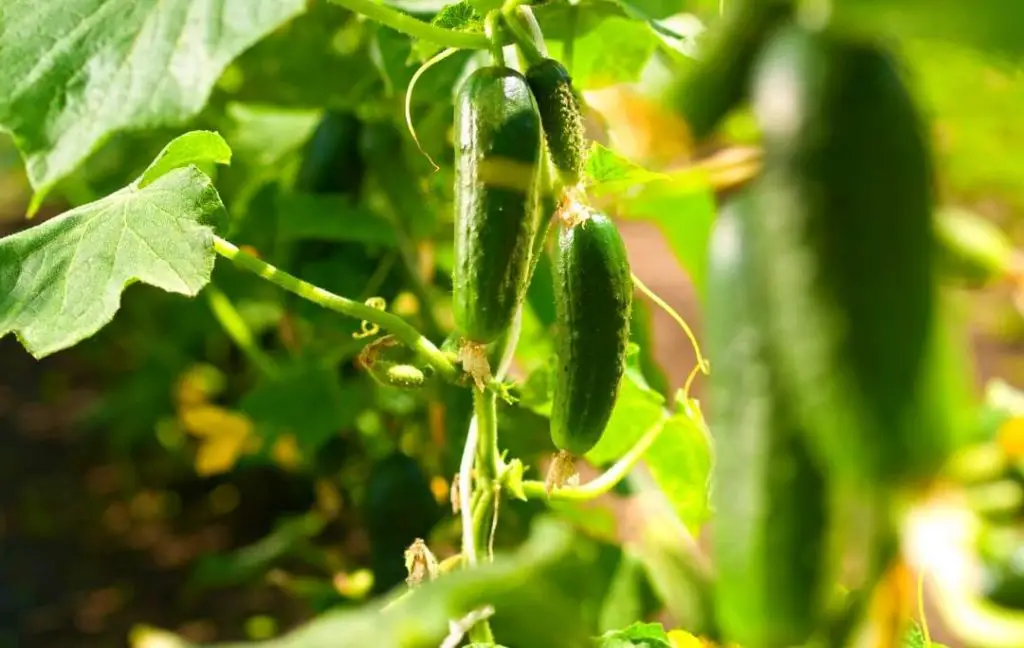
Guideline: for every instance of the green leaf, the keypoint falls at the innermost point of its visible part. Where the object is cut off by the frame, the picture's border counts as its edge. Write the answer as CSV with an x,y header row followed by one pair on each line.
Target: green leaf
x,y
655,8
975,100
196,147
637,409
641,333
460,16
683,209
264,135
245,564
638,635
305,400
629,595
61,281
914,638
609,172
680,463
614,51
330,217
675,568
530,591
994,25
680,458
107,65
482,7
562,20
318,59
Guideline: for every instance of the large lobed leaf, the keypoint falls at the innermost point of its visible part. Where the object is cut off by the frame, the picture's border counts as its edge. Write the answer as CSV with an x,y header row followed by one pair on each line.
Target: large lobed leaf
x,y
61,281
75,71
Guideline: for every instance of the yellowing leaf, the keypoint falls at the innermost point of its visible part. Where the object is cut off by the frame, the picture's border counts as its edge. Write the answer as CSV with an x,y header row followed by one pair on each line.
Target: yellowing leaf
x,y
286,451
213,421
224,436
197,385
218,455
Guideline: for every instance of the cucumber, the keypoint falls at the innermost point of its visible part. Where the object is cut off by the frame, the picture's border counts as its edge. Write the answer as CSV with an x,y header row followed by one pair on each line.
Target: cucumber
x,y
498,144
593,306
719,80
771,510
332,163
561,116
399,508
845,248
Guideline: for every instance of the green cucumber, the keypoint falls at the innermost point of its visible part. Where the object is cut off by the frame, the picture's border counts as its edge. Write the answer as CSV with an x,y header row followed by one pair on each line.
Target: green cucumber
x,y
845,247
561,116
718,82
332,162
498,146
593,304
399,507
769,496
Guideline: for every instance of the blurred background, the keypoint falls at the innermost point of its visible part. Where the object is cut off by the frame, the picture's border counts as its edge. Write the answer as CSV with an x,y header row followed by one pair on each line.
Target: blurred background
x,y
163,474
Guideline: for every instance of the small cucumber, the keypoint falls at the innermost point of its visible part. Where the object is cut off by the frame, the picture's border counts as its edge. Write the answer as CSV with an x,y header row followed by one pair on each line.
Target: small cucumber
x,y
771,507
332,162
498,146
561,117
593,306
846,250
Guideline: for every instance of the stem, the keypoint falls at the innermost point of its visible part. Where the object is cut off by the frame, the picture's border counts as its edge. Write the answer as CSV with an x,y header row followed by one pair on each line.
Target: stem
x,y
569,46
414,27
493,32
524,40
404,331
525,13
607,481
231,321
466,494
479,533
485,408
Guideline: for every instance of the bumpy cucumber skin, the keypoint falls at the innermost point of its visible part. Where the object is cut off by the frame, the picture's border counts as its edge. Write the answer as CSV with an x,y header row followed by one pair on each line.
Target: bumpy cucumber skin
x,y
562,117
498,142
845,235
769,496
719,80
593,306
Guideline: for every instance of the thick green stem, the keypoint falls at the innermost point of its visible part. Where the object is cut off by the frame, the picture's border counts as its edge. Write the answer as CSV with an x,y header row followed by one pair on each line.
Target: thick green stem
x,y
481,527
414,27
521,34
607,481
487,456
401,329
495,36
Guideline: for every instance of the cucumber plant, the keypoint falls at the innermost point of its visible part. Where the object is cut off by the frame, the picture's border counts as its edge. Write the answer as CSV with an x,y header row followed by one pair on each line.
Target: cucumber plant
x,y
488,327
